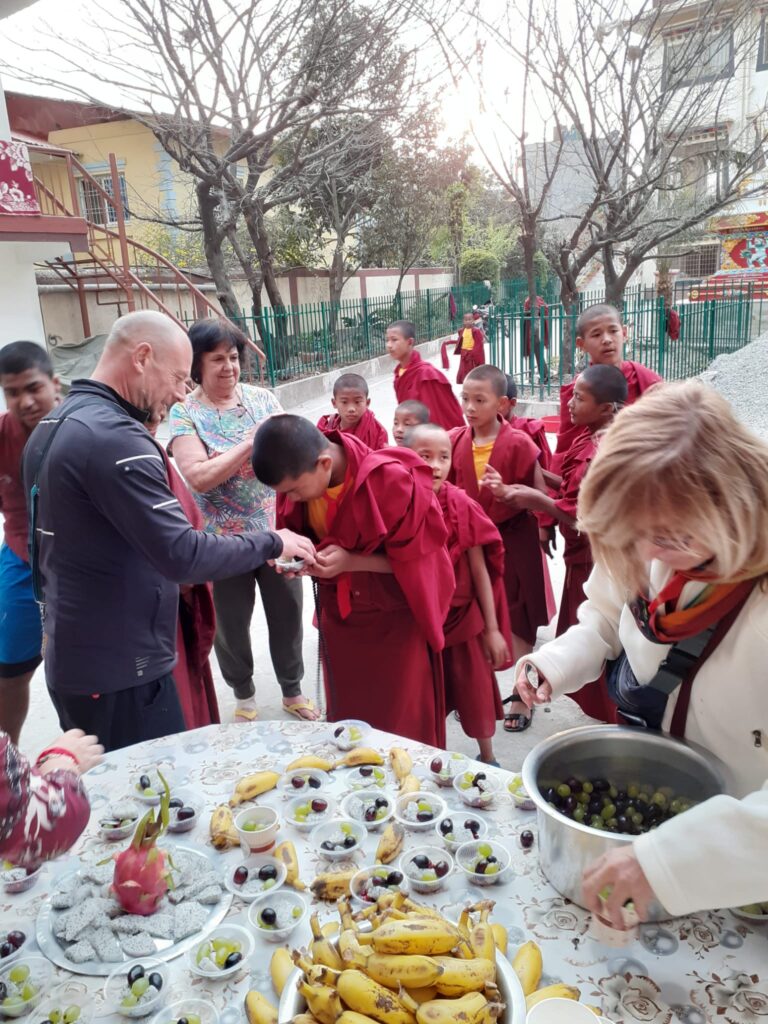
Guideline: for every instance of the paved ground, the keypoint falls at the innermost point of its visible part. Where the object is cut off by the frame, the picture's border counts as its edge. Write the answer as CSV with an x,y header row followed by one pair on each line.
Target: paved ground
x,y
42,725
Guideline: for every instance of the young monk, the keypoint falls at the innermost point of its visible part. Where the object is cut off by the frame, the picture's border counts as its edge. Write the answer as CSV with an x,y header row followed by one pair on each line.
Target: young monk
x,y
487,451
384,576
598,394
407,415
601,334
416,379
533,428
469,347
353,413
477,637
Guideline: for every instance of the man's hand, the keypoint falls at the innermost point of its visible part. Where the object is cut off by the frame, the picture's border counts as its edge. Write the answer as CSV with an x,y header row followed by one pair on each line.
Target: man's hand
x,y
519,497
496,648
548,540
86,750
493,482
331,562
530,695
296,546
618,871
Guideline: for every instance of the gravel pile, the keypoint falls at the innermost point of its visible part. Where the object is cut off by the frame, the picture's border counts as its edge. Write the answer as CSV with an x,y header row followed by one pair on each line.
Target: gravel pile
x,y
740,377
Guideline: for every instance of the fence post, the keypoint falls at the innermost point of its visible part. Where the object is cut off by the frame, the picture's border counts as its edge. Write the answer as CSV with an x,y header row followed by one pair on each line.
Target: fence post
x,y
661,333
326,345
366,327
270,352
712,313
430,333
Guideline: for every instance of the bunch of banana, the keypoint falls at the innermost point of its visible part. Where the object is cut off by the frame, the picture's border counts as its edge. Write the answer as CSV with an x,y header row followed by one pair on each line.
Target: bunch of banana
x,y
358,756
390,844
224,835
251,786
528,965
311,761
286,852
401,763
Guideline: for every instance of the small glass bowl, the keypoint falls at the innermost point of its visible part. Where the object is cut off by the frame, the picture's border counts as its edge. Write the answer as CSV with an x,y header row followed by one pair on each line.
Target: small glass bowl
x,y
452,765
21,884
40,974
326,829
276,934
253,865
435,854
155,784
519,795
438,805
367,796
358,880
468,853
300,801
201,1008
17,951
189,800
345,741
264,838
63,997
366,776
287,787
116,986
472,797
225,932
122,831
458,818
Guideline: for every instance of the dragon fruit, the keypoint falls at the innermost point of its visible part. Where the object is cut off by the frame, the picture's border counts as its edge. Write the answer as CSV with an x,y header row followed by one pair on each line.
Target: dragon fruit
x,y
141,871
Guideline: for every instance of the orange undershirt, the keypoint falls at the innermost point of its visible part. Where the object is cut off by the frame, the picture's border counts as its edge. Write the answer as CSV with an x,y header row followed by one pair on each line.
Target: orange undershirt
x,y
481,453
321,511
467,340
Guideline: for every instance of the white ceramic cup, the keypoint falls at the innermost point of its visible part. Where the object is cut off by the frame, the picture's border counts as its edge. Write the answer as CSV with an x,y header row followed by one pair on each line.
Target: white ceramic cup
x,y
560,1011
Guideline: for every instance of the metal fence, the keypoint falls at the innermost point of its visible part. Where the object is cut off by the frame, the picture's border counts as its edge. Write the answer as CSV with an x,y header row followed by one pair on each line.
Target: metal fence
x,y
537,348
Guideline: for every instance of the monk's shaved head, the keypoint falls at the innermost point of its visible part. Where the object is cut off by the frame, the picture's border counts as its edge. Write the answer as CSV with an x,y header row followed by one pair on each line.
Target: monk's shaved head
x,y
428,432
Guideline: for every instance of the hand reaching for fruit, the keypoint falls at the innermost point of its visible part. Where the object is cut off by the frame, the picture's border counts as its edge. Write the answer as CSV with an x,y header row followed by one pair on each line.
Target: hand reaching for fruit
x,y
85,752
619,872
296,547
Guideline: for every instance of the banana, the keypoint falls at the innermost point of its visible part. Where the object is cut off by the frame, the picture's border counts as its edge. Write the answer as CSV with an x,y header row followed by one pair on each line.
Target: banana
x,y
461,976
481,934
364,995
420,995
349,947
322,1000
258,1009
558,991
319,974
331,885
345,913
350,1017
311,761
390,844
286,852
224,835
358,756
322,950
410,784
392,971
280,966
489,1013
251,786
419,911
415,935
330,929
304,1018
401,762
500,938
527,965
451,1011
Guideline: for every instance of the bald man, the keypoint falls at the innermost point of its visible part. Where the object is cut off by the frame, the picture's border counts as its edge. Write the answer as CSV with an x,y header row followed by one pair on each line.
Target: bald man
x,y
111,544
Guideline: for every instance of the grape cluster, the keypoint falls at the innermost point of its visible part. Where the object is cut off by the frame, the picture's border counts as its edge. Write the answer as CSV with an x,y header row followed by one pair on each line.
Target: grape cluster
x,y
598,803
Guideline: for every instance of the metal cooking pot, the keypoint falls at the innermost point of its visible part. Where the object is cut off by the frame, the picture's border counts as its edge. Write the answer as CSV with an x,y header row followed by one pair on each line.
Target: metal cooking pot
x,y
622,755
508,982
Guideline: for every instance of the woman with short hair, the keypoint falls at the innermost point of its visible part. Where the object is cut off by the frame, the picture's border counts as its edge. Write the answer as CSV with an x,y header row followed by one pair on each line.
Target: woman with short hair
x,y
211,437
676,508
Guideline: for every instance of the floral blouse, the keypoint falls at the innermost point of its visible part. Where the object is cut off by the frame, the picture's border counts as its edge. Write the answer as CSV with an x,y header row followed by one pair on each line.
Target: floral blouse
x,y
41,816
240,504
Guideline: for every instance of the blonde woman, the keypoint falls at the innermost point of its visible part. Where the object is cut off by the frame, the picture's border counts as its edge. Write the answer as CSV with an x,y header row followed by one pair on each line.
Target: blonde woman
x,y
676,508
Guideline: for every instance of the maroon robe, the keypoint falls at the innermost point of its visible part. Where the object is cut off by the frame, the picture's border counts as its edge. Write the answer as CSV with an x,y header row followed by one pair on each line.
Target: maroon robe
x,y
593,698
516,457
367,428
470,681
195,630
425,383
469,358
381,634
639,379
537,432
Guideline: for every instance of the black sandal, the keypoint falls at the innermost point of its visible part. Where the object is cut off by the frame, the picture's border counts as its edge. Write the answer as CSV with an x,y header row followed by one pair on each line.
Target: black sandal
x,y
516,721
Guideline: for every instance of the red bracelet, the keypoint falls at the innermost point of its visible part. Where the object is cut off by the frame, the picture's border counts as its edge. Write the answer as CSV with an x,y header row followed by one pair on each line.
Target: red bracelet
x,y
56,752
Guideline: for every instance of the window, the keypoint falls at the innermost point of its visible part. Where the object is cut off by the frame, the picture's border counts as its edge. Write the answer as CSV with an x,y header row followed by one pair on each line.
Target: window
x,y
95,207
698,56
701,262
762,46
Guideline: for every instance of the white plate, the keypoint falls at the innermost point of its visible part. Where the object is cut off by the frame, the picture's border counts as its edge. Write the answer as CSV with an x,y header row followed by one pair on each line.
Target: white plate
x,y
165,949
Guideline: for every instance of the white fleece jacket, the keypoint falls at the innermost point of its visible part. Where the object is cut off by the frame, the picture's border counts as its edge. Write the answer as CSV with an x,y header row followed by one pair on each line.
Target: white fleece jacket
x,y
715,854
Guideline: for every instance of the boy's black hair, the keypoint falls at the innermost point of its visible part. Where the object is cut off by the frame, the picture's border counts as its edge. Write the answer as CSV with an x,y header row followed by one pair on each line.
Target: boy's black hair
x,y
206,335
413,432
350,382
468,312
20,356
511,387
592,312
415,408
605,383
286,446
490,375
406,328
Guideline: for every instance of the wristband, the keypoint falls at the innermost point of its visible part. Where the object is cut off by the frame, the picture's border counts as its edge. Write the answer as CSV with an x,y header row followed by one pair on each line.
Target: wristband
x,y
50,752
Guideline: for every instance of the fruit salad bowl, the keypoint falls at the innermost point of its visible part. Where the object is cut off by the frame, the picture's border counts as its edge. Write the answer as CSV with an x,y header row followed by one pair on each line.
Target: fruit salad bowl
x,y
275,916
68,1003
426,868
193,1011
23,985
338,839
222,953
121,988
366,885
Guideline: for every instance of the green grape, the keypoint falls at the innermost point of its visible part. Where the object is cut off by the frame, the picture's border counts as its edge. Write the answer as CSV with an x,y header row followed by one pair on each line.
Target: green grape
x,y
563,789
484,850
129,1000
608,811
587,788
13,1001
71,1014
492,869
28,992
54,1016
19,974
140,986
296,912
